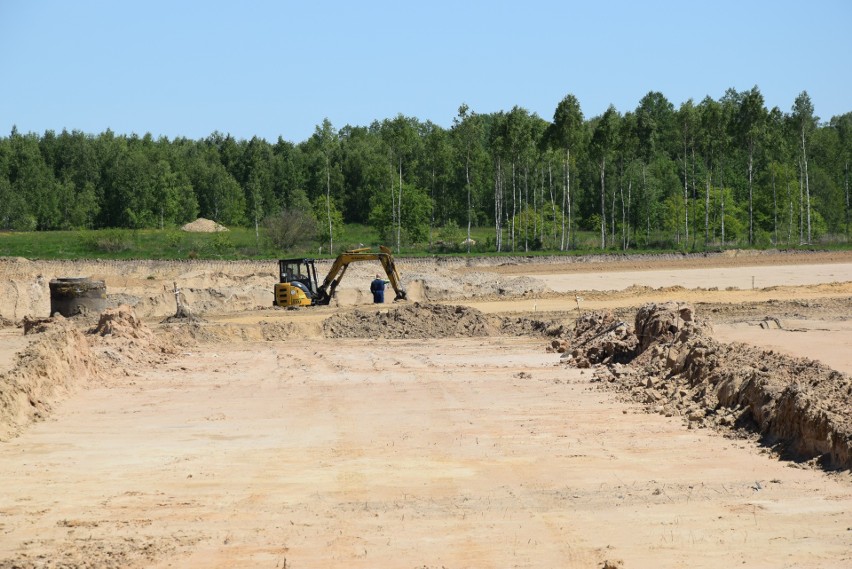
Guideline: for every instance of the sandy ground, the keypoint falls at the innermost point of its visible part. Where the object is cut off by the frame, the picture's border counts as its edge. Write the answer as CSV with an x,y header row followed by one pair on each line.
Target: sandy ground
x,y
11,342
718,277
463,452
828,342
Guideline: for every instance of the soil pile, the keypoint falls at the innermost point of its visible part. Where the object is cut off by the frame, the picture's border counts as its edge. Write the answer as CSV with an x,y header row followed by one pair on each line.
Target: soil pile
x,y
63,358
526,326
122,322
669,362
415,321
202,225
55,364
599,337
121,338
92,550
421,321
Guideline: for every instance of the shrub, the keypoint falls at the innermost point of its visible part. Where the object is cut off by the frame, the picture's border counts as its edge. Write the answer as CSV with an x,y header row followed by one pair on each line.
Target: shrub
x,y
450,238
174,239
291,229
108,241
221,242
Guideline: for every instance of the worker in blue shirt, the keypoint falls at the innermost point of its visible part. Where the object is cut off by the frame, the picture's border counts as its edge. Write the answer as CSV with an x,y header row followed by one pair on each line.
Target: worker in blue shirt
x,y
377,287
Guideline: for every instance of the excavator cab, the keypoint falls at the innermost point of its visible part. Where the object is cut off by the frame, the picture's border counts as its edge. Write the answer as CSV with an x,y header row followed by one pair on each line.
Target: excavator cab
x,y
297,284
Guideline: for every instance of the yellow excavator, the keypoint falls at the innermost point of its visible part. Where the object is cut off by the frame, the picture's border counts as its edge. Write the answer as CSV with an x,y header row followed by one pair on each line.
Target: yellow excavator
x,y
298,284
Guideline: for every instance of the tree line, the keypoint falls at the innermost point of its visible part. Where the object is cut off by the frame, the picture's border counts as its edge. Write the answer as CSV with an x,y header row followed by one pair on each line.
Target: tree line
x,y
711,174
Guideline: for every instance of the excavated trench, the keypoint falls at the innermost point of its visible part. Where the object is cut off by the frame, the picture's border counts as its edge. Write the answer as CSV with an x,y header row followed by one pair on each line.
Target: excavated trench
x,y
666,360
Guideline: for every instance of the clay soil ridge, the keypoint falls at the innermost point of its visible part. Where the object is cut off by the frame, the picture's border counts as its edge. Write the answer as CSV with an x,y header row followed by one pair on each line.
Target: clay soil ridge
x,y
667,359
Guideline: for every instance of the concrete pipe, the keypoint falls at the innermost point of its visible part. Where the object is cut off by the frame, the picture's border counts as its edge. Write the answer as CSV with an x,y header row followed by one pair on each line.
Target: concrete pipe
x,y
70,296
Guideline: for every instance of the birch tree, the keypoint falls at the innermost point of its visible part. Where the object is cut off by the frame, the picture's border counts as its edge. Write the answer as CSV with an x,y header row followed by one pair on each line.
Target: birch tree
x,y
603,141
328,143
467,131
751,119
805,121
687,120
843,124
402,139
566,134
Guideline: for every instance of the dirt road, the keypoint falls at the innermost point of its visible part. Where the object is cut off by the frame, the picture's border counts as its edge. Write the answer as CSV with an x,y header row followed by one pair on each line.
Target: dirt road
x,y
267,444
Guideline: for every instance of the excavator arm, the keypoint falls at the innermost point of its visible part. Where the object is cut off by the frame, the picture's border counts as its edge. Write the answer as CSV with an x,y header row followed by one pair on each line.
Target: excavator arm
x,y
325,292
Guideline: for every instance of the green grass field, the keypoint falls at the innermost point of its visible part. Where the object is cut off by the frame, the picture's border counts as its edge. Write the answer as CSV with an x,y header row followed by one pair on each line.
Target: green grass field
x,y
243,243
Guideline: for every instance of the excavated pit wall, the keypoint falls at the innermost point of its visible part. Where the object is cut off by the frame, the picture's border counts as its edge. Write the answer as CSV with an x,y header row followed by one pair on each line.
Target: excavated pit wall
x,y
67,355
668,361
221,287
218,287
57,363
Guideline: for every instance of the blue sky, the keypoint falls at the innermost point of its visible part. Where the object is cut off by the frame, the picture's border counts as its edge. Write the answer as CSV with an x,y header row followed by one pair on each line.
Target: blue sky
x,y
270,69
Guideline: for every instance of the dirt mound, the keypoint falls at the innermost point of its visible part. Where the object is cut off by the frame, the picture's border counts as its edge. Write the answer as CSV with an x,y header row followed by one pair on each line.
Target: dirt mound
x,y
55,364
202,225
122,338
38,325
670,363
415,321
107,552
63,358
656,323
121,322
526,326
598,338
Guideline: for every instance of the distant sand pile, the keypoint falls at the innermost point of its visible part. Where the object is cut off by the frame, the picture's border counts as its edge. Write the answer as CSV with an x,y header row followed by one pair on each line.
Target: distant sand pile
x,y
202,225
